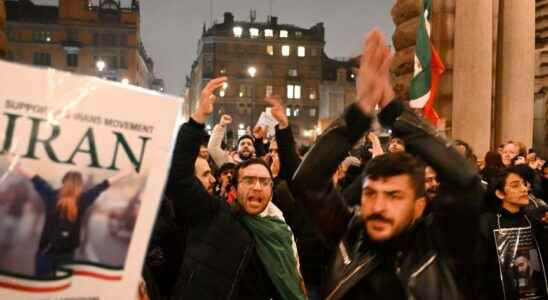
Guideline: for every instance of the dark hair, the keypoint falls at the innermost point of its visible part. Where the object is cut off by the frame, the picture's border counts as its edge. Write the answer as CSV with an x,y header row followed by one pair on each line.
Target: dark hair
x,y
394,164
493,160
525,172
500,179
226,167
247,163
398,140
246,136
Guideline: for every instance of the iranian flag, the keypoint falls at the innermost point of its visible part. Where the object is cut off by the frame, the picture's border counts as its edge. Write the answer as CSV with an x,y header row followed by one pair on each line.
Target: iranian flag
x,y
428,68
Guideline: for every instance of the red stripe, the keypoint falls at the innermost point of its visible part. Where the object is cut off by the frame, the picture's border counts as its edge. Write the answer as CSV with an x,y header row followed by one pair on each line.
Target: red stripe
x,y
31,289
97,275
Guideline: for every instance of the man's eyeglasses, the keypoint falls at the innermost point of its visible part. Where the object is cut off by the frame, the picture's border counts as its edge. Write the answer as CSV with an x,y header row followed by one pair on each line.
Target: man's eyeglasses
x,y
251,181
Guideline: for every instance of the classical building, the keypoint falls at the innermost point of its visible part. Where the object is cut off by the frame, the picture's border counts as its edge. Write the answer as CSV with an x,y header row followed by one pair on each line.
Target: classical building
x,y
540,135
337,89
261,58
487,92
99,38
3,38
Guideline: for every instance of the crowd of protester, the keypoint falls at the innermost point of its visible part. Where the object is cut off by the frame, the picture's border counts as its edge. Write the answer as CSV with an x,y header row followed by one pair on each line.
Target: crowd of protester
x,y
418,217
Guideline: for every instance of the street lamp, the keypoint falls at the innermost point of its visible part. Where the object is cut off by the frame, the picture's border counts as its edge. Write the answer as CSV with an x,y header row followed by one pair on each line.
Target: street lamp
x,y
252,71
101,65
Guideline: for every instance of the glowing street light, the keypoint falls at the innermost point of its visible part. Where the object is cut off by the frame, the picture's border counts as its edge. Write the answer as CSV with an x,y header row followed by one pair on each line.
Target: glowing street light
x,y
252,71
101,65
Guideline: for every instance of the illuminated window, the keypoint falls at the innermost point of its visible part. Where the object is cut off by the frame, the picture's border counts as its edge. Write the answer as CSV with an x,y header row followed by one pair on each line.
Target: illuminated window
x,y
296,112
312,112
288,112
284,34
237,31
254,32
293,72
301,51
242,91
312,95
286,50
268,33
270,50
268,91
293,91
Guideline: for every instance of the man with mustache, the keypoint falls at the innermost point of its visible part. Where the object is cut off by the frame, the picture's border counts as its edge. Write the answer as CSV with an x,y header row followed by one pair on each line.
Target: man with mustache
x,y
387,250
249,146
243,250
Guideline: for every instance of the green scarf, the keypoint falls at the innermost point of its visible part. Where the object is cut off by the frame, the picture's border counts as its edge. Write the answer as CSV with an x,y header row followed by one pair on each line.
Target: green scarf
x,y
276,249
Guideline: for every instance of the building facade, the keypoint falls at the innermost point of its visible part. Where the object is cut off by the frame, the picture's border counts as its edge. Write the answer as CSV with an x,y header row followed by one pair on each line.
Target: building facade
x,y
488,47
540,133
99,38
260,59
3,37
337,90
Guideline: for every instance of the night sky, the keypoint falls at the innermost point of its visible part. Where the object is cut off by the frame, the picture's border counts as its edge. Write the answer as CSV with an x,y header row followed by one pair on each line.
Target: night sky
x,y
170,29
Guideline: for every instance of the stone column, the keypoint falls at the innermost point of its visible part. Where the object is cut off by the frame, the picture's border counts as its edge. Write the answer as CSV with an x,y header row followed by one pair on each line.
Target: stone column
x,y
473,73
515,72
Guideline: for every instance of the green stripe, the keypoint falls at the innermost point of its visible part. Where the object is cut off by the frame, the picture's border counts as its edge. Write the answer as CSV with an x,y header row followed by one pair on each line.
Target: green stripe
x,y
421,83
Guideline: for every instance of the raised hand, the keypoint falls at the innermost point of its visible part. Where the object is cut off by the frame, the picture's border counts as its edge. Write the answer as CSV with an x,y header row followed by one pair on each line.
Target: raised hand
x,y
278,111
376,148
207,100
225,120
373,76
260,132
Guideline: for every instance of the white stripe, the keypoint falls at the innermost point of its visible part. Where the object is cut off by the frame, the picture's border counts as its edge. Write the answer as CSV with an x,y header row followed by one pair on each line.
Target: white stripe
x,y
420,102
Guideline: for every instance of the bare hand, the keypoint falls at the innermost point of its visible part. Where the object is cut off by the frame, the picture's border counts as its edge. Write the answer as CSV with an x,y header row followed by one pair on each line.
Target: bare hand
x,y
260,132
275,166
376,148
373,75
207,100
225,120
278,111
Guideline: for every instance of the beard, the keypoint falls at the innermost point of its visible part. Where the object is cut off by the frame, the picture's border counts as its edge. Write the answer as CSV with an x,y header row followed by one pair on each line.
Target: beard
x,y
245,154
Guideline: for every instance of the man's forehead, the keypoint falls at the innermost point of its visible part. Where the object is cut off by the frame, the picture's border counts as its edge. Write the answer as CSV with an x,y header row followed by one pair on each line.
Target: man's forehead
x,y
392,183
201,165
254,170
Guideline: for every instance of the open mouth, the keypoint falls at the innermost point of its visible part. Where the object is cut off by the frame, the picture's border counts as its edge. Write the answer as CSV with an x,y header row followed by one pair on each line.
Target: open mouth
x,y
254,201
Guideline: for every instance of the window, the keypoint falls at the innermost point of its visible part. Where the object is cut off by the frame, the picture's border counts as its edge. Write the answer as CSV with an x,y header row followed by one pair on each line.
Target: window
x,y
72,60
284,34
293,72
237,31
254,32
293,91
123,62
222,71
297,92
41,59
286,50
72,35
41,36
314,52
298,33
270,50
301,51
243,91
296,112
288,111
268,92
312,112
268,33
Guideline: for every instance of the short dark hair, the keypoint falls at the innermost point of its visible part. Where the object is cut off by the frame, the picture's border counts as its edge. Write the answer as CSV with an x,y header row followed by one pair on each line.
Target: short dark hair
x,y
394,164
226,167
247,163
499,182
246,136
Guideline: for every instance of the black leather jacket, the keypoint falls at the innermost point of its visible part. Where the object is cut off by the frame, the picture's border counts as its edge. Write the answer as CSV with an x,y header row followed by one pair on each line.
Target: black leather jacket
x,y
435,259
